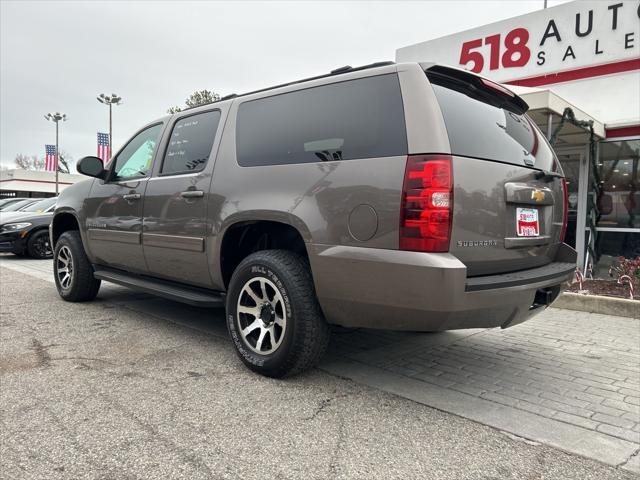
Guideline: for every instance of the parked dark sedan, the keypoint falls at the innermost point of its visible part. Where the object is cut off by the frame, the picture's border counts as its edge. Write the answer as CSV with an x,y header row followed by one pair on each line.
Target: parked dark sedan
x,y
26,232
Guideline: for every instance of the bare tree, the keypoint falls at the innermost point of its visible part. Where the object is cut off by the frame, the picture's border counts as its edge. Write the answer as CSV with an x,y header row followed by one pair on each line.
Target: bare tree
x,y
33,162
27,162
197,98
38,162
23,161
63,162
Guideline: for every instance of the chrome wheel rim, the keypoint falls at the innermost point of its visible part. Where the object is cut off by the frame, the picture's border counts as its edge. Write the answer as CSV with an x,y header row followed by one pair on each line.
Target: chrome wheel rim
x,y
261,316
64,267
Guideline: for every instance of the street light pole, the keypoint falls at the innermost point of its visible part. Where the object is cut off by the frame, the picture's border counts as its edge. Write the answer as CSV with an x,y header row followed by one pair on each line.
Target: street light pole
x,y
110,129
57,158
56,118
110,100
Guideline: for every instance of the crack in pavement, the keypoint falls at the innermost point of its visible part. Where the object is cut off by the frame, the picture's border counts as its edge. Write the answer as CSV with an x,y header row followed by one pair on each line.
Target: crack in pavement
x,y
323,405
333,461
43,359
189,457
634,454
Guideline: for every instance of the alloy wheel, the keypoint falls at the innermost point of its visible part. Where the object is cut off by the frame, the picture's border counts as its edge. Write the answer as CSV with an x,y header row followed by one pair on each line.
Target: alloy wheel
x,y
64,267
41,246
261,315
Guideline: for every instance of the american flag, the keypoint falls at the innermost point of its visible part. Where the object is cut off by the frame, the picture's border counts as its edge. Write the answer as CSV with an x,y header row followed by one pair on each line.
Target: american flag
x,y
103,147
50,158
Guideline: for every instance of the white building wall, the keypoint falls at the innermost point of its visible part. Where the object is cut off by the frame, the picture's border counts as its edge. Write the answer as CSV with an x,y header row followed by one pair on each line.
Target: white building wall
x,y
613,99
36,180
613,41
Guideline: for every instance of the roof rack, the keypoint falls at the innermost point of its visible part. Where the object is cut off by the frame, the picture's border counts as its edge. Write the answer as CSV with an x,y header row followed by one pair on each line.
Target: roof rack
x,y
337,71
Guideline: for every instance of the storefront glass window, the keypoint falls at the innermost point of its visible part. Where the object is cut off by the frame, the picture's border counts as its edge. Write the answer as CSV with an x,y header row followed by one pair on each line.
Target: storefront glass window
x,y
617,244
617,174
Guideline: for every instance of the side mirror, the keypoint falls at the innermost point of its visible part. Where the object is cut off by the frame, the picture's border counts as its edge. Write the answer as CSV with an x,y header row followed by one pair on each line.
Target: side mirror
x,y
92,166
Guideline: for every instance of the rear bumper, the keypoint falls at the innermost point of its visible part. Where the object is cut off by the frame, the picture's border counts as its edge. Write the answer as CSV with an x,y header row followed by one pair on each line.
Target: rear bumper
x,y
390,289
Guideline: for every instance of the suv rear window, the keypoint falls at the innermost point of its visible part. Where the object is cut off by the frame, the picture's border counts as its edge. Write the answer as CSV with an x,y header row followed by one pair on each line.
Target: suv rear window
x,y
361,118
478,129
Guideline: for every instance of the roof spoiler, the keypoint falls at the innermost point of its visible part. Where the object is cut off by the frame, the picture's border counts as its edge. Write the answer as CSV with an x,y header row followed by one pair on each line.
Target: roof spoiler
x,y
476,87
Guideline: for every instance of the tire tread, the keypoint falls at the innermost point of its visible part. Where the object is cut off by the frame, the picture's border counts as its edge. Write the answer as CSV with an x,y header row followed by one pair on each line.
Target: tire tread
x,y
312,332
85,287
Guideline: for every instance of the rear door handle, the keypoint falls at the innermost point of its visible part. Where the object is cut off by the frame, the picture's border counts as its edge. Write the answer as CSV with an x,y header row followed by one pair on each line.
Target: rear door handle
x,y
132,196
192,194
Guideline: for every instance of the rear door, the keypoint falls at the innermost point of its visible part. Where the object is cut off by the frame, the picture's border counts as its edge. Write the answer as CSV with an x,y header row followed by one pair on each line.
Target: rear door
x,y
175,214
508,192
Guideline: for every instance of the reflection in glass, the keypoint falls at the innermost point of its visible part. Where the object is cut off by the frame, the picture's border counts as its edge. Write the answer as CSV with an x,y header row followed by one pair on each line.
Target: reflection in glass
x,y
616,174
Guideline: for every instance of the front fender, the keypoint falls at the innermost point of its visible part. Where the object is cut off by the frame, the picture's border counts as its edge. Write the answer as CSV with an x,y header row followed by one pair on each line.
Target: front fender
x,y
72,202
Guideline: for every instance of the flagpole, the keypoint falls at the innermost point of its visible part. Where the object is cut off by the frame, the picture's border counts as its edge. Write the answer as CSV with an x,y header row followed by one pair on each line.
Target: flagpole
x,y
56,118
57,159
110,100
110,129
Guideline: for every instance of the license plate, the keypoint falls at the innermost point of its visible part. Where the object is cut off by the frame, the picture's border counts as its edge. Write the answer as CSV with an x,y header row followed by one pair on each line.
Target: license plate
x,y
527,222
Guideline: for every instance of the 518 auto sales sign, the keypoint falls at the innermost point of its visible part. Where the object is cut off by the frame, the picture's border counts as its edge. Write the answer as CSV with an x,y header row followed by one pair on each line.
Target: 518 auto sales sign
x,y
569,36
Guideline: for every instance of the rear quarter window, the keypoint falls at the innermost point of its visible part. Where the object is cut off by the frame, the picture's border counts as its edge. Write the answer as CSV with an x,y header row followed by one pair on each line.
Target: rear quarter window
x,y
361,118
477,129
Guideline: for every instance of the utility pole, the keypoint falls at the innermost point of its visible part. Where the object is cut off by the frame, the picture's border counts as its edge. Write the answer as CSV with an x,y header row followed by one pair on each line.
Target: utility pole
x,y
110,100
56,118
545,3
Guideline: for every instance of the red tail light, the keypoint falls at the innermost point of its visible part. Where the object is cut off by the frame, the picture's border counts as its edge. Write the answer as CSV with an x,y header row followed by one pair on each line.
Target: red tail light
x,y
427,204
565,206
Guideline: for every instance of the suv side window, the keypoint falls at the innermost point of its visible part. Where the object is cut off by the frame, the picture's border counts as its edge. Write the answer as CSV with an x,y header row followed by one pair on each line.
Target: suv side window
x,y
190,143
362,118
135,160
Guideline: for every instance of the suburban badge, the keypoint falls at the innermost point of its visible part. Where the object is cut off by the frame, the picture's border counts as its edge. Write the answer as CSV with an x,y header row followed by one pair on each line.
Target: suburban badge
x,y
476,243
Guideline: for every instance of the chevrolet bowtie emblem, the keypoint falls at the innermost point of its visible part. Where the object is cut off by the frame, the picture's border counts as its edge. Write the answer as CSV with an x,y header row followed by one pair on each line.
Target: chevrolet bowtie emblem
x,y
537,195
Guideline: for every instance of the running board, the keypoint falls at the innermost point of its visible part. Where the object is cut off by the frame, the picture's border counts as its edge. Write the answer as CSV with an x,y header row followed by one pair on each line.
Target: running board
x,y
169,290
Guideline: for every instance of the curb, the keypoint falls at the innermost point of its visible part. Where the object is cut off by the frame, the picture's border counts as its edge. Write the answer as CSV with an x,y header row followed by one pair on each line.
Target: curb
x,y
620,307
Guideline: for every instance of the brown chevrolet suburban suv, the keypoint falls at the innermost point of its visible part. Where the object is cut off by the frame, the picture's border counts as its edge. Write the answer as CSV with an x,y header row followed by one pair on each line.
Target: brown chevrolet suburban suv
x,y
395,196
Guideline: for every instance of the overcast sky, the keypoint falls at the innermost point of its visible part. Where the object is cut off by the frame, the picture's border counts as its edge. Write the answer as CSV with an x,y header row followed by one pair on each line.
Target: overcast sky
x,y
57,56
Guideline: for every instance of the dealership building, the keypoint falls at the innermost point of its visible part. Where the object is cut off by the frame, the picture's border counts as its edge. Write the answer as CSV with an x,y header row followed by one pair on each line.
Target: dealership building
x,y
34,183
577,65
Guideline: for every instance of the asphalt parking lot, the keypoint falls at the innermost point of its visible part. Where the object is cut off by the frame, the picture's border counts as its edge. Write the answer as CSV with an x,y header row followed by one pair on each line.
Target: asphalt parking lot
x,y
131,386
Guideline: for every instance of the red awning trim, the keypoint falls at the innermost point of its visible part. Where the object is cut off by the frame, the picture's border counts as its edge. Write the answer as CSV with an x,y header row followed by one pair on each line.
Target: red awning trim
x,y
578,73
618,132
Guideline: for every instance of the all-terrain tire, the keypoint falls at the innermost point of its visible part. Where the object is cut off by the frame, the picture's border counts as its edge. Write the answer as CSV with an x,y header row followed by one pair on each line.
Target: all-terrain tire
x,y
306,334
82,285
